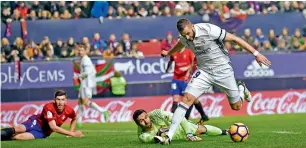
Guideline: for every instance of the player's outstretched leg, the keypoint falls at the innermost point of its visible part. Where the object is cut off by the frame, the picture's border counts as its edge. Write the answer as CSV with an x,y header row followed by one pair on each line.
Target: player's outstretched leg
x,y
176,100
210,130
96,107
244,94
178,116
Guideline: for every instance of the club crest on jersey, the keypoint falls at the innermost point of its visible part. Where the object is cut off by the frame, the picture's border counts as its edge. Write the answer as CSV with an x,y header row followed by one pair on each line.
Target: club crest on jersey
x,y
49,114
63,117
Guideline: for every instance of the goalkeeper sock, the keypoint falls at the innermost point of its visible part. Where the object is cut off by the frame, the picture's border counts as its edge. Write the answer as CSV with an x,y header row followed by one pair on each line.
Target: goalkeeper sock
x,y
95,106
212,130
187,115
80,113
177,118
174,106
199,107
7,133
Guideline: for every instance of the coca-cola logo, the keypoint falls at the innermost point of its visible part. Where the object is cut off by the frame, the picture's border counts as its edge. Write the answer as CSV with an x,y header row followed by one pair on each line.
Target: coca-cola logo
x,y
211,105
120,112
290,102
18,116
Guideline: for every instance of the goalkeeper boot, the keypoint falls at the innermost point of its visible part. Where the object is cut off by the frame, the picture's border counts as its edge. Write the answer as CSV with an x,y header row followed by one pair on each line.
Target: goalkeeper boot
x,y
191,137
247,93
164,140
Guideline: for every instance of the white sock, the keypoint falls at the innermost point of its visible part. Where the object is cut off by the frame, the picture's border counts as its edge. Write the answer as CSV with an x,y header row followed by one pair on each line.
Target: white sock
x,y
241,91
95,106
177,118
80,113
212,130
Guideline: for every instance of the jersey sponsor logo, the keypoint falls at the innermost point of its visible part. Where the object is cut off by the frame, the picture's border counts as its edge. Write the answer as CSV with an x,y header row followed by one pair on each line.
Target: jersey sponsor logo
x,y
255,70
200,51
49,114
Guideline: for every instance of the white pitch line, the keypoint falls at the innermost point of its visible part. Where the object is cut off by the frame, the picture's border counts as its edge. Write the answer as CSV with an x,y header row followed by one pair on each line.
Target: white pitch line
x,y
110,131
287,132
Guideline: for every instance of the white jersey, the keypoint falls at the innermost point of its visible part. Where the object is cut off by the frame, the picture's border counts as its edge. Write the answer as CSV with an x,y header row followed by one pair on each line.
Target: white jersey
x,y
208,46
89,69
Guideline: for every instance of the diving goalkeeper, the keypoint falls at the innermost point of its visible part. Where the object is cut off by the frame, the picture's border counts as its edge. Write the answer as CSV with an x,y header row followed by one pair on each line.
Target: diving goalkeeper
x,y
151,126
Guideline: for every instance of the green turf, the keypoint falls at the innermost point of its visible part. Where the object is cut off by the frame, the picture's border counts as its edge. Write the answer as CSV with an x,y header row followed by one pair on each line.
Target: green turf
x,y
262,134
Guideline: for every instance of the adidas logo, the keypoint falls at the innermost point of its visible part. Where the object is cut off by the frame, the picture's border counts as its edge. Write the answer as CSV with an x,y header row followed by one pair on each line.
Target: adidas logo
x,y
255,70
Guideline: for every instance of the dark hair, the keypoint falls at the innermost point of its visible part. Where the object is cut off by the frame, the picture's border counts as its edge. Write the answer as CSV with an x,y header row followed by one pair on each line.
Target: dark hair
x,y
136,114
60,93
181,24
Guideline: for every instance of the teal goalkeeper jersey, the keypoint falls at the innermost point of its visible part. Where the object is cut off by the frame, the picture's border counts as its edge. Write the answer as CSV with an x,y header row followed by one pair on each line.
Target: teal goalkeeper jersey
x,y
160,119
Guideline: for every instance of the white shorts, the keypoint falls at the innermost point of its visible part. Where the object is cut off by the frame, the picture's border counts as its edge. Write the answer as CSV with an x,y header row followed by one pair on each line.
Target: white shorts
x,y
224,79
86,92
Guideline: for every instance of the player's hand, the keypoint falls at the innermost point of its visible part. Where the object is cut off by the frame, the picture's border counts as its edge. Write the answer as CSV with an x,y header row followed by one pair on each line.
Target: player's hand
x,y
78,134
191,137
261,59
164,53
83,76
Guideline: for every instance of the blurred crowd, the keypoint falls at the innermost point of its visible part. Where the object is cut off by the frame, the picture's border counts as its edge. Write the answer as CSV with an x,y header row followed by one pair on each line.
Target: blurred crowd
x,y
41,10
45,50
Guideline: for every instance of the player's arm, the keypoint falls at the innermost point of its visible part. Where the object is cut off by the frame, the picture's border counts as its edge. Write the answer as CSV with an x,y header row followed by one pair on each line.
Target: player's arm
x,y
88,69
60,130
177,47
72,125
261,59
169,64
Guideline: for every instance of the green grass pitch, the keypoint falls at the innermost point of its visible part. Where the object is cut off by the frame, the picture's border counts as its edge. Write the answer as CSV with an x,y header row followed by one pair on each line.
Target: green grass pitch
x,y
266,131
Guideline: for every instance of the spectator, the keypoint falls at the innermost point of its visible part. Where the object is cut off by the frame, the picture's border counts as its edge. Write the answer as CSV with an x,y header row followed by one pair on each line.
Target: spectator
x,y
66,15
259,36
143,12
22,9
58,47
19,45
75,52
64,53
72,7
204,10
119,51
155,11
98,43
273,9
118,84
135,53
229,47
86,43
26,56
6,16
46,45
131,12
32,16
30,48
85,7
112,43
37,54
55,16
297,36
284,36
77,13
247,36
45,15
99,9
296,46
287,7
96,52
121,12
178,11
70,45
36,7
272,38
191,11
3,57
267,46
14,55
108,54
111,13
16,15
5,46
61,7
281,46
256,45
167,12
301,7
126,43
237,12
168,42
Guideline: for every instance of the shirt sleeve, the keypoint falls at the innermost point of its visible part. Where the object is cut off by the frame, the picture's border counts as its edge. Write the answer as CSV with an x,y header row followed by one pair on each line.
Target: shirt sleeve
x,y
146,138
216,33
48,113
72,114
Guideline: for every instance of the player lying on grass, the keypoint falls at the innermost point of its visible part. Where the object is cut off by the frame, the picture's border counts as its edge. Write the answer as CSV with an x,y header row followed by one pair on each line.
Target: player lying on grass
x,y
154,124
53,115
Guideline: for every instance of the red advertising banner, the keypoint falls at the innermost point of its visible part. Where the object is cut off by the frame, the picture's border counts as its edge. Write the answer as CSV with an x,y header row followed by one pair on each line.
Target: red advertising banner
x,y
215,105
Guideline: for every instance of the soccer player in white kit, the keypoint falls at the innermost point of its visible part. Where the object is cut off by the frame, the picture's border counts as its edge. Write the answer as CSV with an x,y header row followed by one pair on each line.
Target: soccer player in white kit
x,y
88,86
214,68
